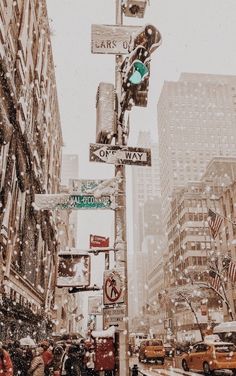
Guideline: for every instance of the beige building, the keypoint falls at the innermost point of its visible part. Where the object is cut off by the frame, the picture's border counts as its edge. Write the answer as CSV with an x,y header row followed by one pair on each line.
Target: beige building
x,y
191,247
196,122
30,162
222,171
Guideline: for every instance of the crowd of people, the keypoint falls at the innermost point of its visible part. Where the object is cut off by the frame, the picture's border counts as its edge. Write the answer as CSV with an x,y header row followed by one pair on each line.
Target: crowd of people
x,y
48,359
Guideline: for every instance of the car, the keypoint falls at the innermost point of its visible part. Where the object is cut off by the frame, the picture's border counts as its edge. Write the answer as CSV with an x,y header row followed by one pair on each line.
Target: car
x,y
169,350
209,357
152,350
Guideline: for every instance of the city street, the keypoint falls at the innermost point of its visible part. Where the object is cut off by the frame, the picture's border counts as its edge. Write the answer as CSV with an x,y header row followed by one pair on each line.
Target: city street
x,y
117,187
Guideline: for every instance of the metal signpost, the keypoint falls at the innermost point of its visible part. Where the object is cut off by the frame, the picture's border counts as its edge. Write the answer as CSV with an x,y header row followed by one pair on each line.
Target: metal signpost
x,y
120,155
131,86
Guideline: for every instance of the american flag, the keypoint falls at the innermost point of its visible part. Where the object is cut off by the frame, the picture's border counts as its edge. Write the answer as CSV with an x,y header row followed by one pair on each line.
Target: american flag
x,y
232,271
214,221
215,282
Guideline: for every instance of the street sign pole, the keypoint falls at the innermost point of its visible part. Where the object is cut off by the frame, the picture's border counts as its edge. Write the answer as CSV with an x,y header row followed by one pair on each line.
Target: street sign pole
x,y
120,214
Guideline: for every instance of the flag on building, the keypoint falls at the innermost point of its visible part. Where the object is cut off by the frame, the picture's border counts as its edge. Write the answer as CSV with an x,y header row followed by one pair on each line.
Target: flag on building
x,y
214,221
215,282
232,271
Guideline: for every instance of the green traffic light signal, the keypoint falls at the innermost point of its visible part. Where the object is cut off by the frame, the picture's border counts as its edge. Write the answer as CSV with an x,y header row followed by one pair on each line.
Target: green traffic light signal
x,y
140,72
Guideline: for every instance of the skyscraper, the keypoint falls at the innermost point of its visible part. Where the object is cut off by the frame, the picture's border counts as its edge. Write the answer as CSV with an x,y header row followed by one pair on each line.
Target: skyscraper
x,y
196,122
146,191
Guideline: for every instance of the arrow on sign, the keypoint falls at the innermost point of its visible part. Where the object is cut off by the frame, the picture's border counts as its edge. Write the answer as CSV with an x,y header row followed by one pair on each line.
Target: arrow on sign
x,y
120,155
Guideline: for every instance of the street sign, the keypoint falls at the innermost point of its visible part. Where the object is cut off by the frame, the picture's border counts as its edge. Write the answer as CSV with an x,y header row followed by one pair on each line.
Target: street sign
x,y
113,286
95,305
67,201
73,269
114,317
120,155
97,241
82,186
112,39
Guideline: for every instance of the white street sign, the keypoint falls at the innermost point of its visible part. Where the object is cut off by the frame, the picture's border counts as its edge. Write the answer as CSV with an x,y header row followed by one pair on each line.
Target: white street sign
x,y
114,317
83,186
120,155
112,39
95,305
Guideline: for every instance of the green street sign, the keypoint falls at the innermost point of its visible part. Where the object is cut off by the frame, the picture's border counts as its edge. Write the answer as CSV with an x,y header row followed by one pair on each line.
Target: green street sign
x,y
74,201
87,202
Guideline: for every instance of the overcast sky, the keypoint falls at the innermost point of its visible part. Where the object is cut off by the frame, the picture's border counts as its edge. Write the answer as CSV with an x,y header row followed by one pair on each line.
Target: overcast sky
x,y
198,36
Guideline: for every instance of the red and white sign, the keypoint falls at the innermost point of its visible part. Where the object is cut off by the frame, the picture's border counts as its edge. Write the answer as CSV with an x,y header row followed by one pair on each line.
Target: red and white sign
x,y
113,286
97,241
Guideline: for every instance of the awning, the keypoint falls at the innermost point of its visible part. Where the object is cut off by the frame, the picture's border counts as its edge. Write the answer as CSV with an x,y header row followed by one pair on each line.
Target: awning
x,y
104,333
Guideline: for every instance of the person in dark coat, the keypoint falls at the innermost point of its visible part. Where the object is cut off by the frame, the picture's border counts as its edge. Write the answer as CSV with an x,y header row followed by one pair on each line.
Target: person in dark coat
x,y
72,364
18,360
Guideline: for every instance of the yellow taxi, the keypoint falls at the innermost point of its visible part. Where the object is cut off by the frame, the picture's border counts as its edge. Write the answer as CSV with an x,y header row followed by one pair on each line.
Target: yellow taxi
x,y
208,357
152,350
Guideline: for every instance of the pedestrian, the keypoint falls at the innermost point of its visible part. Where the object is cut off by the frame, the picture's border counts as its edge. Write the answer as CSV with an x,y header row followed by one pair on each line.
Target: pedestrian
x,y
90,361
72,364
27,358
58,352
66,347
47,357
81,354
18,360
37,363
6,367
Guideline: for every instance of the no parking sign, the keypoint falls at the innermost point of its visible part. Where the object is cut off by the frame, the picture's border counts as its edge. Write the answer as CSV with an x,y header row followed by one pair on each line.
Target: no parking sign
x,y
113,286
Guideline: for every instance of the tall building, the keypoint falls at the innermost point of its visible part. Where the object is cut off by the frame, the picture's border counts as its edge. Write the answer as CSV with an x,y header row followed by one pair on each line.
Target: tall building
x,y
69,168
196,122
146,190
69,172
30,162
67,315
191,247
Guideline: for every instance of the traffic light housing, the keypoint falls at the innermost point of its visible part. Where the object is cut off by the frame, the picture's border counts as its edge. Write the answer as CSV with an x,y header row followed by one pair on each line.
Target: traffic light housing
x,y
136,68
134,8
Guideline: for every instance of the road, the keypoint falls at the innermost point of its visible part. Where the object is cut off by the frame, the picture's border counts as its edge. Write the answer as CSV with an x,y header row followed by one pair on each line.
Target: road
x,y
172,367
151,369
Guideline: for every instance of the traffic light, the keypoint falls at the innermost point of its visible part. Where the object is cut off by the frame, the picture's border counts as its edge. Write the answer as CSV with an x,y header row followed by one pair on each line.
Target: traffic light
x,y
140,71
136,68
134,8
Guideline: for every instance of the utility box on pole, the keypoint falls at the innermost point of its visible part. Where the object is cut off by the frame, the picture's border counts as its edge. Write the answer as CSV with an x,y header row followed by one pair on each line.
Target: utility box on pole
x,y
105,113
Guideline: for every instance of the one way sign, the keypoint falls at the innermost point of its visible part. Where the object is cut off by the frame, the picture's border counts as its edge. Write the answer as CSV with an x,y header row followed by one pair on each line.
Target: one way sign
x,y
120,155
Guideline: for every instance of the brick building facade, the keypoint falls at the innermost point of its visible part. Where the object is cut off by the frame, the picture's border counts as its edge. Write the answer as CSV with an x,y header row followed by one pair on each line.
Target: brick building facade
x,y
30,161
